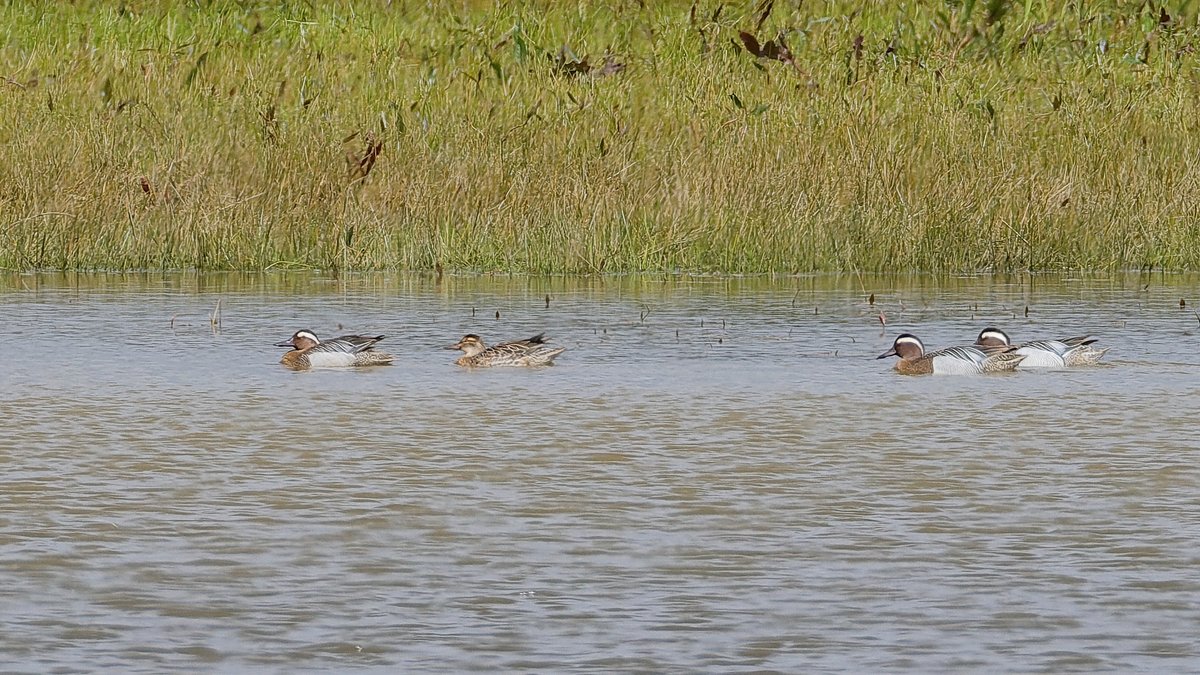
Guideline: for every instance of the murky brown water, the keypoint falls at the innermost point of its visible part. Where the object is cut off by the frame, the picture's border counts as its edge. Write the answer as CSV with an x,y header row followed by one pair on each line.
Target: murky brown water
x,y
717,476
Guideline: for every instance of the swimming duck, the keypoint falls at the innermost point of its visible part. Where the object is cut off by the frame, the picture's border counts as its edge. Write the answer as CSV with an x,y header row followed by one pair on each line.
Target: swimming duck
x,y
1075,351
348,350
530,352
965,360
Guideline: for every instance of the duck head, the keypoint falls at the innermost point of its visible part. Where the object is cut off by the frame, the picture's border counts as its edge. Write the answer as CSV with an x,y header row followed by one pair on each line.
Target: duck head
x,y
302,339
992,337
907,346
471,344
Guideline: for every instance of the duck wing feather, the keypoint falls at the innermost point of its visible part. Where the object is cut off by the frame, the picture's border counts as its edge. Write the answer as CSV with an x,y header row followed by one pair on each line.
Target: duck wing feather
x,y
347,344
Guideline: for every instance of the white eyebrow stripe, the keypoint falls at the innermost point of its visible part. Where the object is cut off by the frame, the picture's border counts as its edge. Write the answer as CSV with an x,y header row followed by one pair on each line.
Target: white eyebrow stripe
x,y
999,335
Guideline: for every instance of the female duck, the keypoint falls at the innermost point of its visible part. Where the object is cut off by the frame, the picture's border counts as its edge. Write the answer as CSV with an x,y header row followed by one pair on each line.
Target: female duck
x,y
1075,351
914,360
347,350
530,352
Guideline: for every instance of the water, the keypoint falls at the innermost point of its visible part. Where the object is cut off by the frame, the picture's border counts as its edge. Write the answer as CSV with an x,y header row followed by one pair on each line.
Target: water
x,y
718,476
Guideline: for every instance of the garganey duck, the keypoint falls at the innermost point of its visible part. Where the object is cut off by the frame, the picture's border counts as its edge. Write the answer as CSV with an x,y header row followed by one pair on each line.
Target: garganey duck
x,y
530,352
348,350
1074,351
964,360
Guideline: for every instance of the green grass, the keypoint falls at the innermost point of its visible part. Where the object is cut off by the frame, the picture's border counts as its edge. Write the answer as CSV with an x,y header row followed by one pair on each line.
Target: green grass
x,y
1035,135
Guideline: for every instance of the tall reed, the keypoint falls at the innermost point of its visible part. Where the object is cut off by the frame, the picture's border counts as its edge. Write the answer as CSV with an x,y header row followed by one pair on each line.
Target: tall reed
x,y
600,136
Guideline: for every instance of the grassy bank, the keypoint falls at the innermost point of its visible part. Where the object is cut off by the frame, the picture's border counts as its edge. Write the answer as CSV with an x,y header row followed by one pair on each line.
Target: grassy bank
x,y
600,136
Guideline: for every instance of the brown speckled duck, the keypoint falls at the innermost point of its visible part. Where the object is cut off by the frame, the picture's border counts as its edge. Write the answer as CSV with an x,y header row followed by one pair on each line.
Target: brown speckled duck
x,y
530,352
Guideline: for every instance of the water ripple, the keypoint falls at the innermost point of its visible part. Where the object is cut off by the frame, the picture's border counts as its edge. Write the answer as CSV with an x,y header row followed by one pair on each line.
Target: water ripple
x,y
730,482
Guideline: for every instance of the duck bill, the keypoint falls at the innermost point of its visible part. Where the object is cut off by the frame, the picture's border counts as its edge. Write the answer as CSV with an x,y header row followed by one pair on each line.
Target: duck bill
x,y
454,347
285,344
890,352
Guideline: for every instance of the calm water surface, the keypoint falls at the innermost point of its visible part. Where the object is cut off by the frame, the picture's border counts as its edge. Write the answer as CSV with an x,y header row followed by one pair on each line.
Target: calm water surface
x,y
718,476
